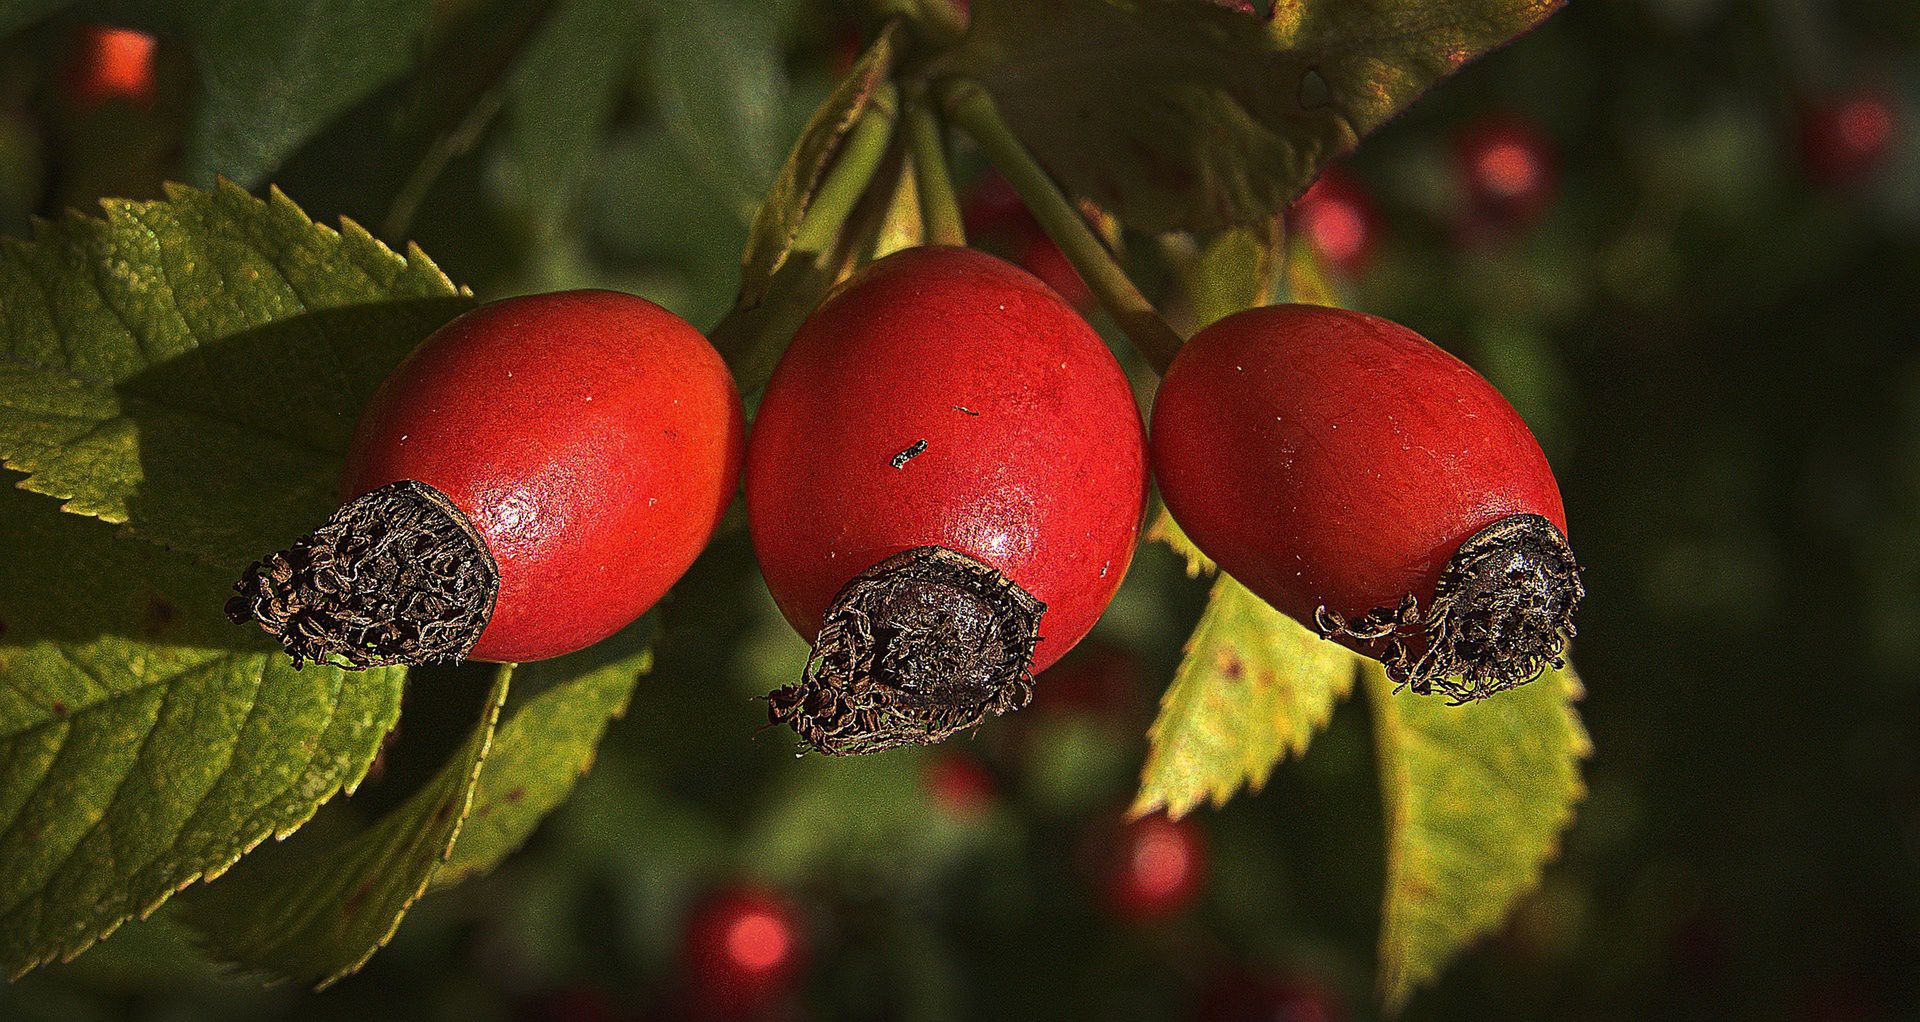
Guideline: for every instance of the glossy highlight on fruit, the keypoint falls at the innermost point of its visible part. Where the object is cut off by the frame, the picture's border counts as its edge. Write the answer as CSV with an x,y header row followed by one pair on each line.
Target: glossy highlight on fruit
x,y
944,488
529,481
1371,485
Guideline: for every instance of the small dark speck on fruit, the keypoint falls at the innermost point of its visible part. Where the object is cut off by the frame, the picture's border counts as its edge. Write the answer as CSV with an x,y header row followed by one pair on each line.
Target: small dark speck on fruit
x,y
900,460
964,410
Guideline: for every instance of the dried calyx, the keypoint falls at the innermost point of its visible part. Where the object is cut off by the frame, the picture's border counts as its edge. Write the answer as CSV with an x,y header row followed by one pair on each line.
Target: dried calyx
x,y
1501,613
925,644
398,576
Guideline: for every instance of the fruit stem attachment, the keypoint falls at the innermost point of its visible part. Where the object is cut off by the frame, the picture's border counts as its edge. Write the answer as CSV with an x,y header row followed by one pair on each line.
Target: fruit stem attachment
x,y
398,576
938,205
915,649
972,108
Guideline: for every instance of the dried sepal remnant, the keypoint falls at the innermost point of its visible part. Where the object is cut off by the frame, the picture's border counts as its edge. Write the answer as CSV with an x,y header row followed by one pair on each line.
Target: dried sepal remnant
x,y
921,646
1502,612
398,576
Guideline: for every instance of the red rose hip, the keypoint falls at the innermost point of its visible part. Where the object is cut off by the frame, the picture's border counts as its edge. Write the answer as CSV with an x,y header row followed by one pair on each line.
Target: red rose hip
x,y
529,481
1364,481
944,487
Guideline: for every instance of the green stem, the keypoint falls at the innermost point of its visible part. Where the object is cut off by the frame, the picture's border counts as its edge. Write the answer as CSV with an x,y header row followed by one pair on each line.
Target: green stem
x,y
938,206
750,338
853,168
970,106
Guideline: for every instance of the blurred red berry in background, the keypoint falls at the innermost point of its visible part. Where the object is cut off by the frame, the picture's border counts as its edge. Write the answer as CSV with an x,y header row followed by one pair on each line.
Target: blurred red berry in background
x,y
1152,867
960,785
743,951
1245,995
1508,169
1338,218
1846,137
109,63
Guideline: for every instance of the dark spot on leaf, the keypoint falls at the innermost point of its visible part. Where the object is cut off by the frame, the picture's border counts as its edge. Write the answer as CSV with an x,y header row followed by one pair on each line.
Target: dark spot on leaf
x,y
440,815
900,460
1232,668
515,795
60,708
359,895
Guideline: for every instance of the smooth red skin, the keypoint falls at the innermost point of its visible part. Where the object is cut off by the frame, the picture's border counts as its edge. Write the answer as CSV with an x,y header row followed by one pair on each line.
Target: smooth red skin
x,y
1328,457
1046,483
593,438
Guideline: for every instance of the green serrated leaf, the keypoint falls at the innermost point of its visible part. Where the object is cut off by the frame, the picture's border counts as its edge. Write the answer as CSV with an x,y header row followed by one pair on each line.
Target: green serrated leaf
x,y
1165,530
274,74
1476,797
191,368
785,206
144,741
1253,687
546,745
316,908
1192,114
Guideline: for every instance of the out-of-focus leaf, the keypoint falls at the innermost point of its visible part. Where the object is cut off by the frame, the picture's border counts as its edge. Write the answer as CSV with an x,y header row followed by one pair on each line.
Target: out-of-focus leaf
x,y
273,74
18,14
561,100
145,742
1476,797
1254,687
1195,114
192,368
719,76
314,909
1236,269
547,744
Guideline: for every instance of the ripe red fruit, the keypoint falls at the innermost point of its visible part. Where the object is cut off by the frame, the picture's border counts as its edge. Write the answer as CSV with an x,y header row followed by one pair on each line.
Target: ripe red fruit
x,y
1508,169
1337,216
946,453
1846,137
110,63
1365,482
1153,867
743,948
529,481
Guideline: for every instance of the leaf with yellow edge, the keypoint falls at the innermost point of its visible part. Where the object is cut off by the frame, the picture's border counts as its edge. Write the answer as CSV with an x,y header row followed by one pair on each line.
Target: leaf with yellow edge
x,y
1475,798
1253,688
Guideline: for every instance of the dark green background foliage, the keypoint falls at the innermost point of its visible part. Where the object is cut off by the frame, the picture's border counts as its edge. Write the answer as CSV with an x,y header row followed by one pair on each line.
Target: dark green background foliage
x,y
1719,356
